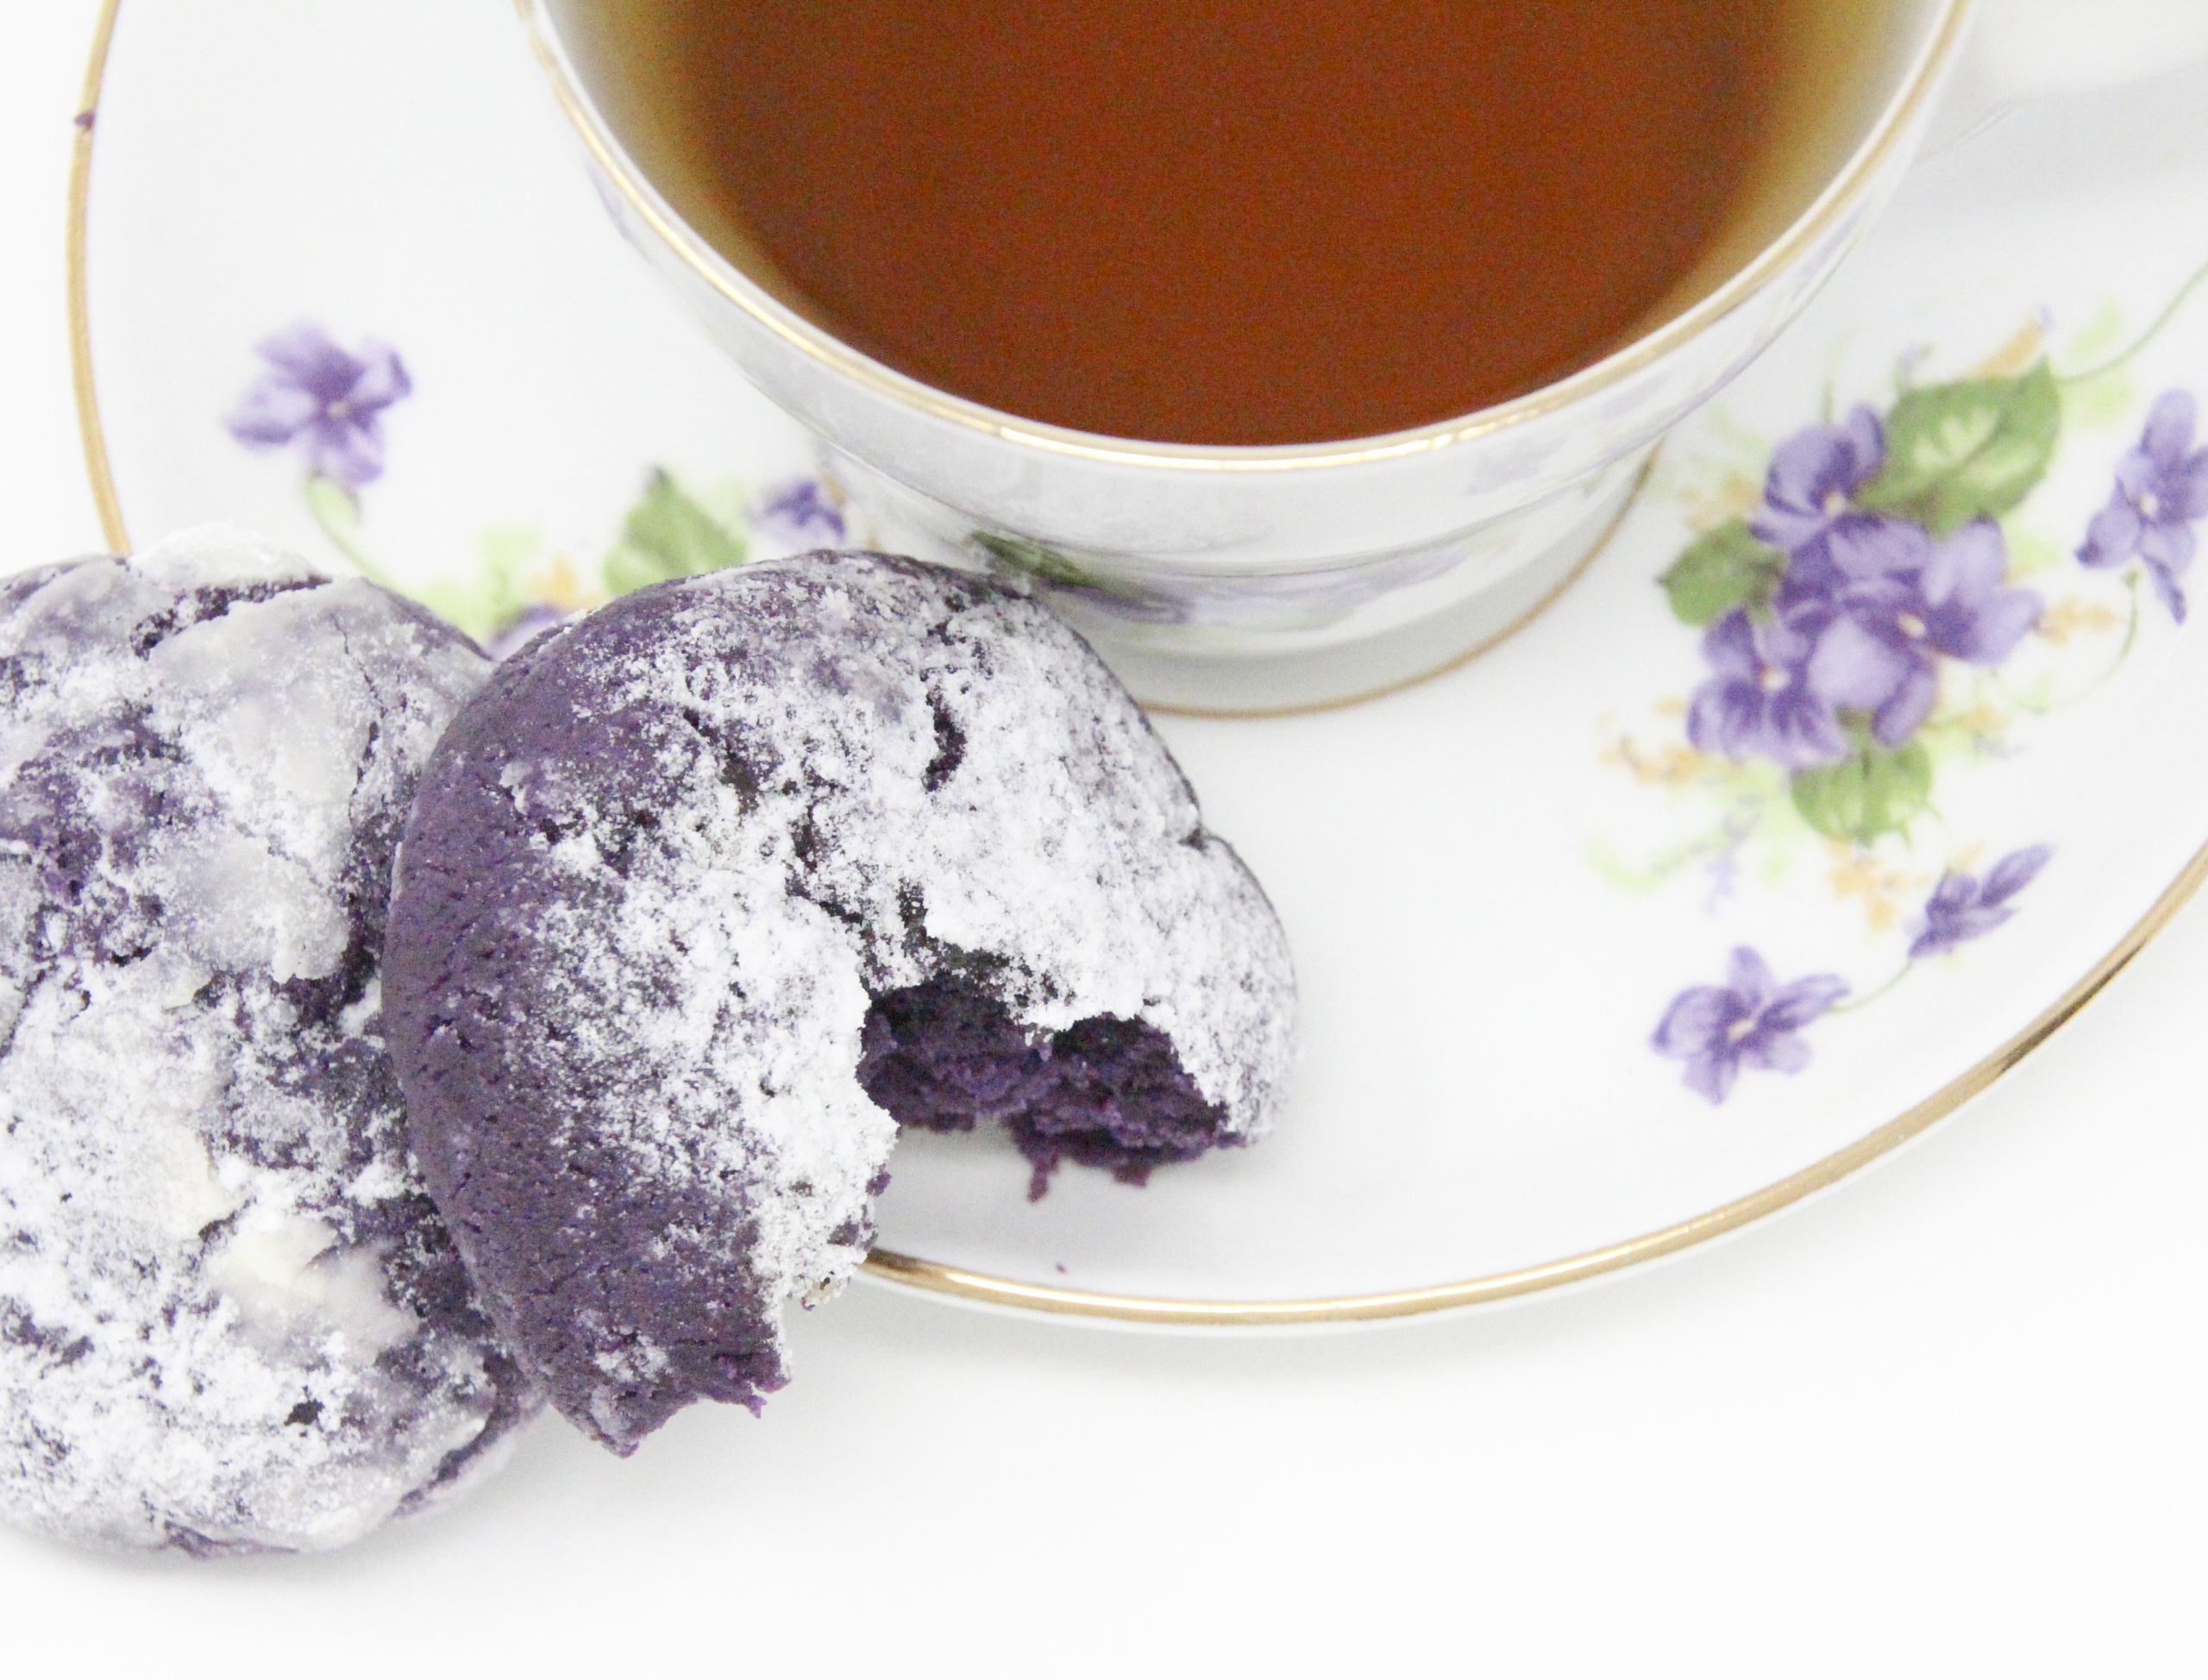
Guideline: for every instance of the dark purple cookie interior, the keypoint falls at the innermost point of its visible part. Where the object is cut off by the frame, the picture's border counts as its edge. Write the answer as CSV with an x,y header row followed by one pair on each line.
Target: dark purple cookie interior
x,y
1104,1092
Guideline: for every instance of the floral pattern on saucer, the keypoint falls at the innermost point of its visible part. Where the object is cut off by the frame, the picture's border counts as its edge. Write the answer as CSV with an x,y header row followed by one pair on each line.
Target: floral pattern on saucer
x,y
1867,624
326,406
1861,615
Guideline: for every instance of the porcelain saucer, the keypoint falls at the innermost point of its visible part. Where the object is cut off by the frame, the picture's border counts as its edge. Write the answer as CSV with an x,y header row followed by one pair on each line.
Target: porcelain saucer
x,y
1859,758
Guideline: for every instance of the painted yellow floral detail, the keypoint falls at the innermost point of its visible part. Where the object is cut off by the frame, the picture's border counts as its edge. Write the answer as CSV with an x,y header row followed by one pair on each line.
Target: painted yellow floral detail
x,y
558,587
2019,352
2071,616
1705,506
1672,764
1980,724
1858,873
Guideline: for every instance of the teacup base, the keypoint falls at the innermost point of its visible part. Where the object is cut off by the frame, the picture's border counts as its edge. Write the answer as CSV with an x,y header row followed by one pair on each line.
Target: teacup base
x,y
1259,644
1279,681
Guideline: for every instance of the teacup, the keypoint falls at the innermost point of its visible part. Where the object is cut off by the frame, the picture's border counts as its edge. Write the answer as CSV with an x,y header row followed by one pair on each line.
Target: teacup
x,y
1245,579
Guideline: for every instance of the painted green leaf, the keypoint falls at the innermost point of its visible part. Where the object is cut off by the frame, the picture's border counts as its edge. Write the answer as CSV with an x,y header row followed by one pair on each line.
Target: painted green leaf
x,y
483,602
1023,554
1969,450
1722,568
666,535
1873,790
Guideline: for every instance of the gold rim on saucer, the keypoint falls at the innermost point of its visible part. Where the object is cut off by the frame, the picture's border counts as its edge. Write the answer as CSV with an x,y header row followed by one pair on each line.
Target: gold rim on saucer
x,y
914,1272
80,326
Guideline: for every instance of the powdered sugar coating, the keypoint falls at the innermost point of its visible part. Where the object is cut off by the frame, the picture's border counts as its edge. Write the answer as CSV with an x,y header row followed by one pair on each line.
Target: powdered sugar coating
x,y
230,1317
664,869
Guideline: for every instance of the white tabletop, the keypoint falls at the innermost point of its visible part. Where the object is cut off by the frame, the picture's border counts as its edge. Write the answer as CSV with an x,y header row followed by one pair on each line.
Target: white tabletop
x,y
1946,1419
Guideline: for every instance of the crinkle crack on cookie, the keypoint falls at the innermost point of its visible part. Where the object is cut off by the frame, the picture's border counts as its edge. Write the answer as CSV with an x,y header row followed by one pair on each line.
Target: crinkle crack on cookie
x,y
707,891
230,1319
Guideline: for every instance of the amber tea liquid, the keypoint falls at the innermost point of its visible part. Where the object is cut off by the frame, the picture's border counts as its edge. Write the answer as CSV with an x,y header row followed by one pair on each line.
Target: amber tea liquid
x,y
1218,222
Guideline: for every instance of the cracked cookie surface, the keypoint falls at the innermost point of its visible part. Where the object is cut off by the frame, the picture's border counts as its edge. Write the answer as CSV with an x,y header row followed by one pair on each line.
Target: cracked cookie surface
x,y
230,1319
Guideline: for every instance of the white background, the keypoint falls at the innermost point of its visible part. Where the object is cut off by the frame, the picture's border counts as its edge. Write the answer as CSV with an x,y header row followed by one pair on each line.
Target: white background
x,y
1948,1419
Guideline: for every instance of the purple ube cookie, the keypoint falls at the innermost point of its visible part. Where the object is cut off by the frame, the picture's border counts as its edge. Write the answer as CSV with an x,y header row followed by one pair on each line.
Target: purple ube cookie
x,y
230,1319
704,889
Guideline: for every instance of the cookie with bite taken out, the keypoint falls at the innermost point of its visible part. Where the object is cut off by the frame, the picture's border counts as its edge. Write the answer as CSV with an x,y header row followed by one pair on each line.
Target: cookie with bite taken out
x,y
707,891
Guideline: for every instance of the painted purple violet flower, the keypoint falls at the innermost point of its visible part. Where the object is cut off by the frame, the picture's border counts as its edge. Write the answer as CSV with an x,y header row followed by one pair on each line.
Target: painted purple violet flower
x,y
1759,701
798,512
1750,1020
1879,654
1963,907
327,401
2161,487
1813,475
1969,611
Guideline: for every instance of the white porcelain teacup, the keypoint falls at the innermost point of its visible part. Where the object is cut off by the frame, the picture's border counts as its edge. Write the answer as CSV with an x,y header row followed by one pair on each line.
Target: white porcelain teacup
x,y
1248,578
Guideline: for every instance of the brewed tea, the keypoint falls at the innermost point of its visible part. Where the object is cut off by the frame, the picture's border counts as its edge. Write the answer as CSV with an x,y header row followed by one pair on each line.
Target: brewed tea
x,y
1223,221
